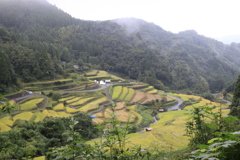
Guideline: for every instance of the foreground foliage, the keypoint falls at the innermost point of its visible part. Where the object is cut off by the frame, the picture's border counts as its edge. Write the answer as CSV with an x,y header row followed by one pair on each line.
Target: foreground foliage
x,y
34,138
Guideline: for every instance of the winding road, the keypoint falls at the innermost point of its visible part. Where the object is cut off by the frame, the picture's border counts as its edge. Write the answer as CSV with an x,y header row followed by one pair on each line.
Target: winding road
x,y
62,92
177,106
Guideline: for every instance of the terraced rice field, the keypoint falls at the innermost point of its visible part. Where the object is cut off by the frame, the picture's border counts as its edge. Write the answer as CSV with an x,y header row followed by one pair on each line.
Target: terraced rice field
x,y
64,99
53,113
39,158
93,72
93,105
81,101
124,93
59,107
98,115
148,88
153,91
120,105
132,111
117,92
129,95
138,96
71,110
169,131
39,116
7,121
123,115
50,82
151,97
103,73
98,120
64,114
24,116
4,127
30,104
46,113
73,100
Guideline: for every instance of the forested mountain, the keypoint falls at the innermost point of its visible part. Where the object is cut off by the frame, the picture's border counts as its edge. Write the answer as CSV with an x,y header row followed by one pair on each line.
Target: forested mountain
x,y
36,37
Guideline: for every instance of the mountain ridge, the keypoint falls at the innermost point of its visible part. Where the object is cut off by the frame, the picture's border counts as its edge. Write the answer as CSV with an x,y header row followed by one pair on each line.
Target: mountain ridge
x,y
135,48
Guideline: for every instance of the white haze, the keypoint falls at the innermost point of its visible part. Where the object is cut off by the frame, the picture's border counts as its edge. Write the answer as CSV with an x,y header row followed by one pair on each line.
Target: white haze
x,y
211,18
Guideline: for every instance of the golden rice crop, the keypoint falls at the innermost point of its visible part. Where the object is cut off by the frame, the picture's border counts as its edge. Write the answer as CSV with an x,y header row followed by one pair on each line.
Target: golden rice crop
x,y
12,103
71,110
30,104
133,107
4,127
53,113
93,104
124,93
7,120
153,91
148,88
39,116
59,106
73,100
120,105
139,117
24,116
129,95
116,92
64,99
46,113
39,158
122,115
64,114
81,101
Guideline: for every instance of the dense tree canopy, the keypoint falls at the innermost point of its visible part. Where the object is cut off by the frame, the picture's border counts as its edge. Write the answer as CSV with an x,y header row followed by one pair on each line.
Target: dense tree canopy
x,y
42,40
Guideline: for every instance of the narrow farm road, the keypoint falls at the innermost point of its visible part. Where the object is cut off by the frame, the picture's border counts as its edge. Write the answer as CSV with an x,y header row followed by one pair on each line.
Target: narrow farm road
x,y
177,106
62,92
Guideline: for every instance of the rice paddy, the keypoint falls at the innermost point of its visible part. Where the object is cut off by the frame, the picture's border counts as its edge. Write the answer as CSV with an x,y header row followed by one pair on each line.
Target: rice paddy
x,y
92,105
24,116
124,93
64,114
39,158
39,116
7,121
64,99
71,110
30,104
73,100
4,127
58,107
82,101
138,96
117,92
120,105
151,97
123,115
129,95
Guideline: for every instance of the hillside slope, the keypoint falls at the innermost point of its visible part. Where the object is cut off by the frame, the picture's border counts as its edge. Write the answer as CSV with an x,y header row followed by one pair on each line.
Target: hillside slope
x,y
42,35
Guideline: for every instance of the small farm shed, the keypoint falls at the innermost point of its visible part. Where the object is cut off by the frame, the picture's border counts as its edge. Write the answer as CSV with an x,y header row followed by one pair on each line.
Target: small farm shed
x,y
148,129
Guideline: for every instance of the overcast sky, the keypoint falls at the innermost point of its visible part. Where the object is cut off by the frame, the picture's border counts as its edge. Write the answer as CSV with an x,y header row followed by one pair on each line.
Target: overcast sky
x,y
212,18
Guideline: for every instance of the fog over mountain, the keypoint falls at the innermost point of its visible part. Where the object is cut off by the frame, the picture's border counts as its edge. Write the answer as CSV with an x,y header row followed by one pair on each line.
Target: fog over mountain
x,y
230,39
35,43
